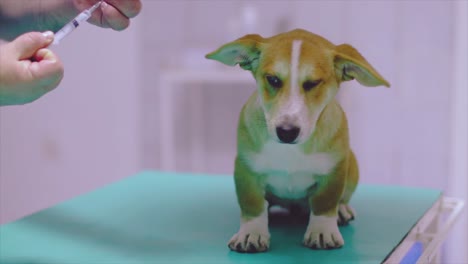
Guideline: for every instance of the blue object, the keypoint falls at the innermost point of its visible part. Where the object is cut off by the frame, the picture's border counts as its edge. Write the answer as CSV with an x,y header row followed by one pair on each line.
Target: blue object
x,y
413,254
158,217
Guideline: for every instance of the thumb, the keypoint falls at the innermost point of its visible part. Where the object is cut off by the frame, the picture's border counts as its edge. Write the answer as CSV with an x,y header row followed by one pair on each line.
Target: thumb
x,y
26,45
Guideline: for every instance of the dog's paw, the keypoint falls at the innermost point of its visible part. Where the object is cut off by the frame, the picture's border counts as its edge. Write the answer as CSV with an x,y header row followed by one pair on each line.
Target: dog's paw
x,y
323,233
253,235
249,242
345,214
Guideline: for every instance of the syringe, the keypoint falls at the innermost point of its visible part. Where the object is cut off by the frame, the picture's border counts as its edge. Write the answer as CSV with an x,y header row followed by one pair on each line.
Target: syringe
x,y
70,26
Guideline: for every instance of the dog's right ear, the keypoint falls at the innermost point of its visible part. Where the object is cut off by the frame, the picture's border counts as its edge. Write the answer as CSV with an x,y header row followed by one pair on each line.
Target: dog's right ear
x,y
244,51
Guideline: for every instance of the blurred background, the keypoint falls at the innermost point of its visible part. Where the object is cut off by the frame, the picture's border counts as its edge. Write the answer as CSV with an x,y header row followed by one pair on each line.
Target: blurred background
x,y
146,98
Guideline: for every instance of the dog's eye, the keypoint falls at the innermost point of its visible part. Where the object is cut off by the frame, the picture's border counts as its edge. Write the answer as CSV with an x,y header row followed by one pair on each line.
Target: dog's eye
x,y
309,85
274,81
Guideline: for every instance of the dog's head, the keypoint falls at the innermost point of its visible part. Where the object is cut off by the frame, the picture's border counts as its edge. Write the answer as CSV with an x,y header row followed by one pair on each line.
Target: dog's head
x,y
298,73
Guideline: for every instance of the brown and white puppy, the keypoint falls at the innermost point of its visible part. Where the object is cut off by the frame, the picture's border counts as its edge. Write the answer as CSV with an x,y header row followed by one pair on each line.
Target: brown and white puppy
x,y
293,145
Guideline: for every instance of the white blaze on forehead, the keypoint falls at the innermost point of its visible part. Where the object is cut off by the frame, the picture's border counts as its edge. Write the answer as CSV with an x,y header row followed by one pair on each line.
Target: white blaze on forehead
x,y
294,104
295,55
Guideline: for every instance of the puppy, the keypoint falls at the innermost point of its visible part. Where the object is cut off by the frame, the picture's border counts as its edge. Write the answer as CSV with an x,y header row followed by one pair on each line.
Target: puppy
x,y
293,145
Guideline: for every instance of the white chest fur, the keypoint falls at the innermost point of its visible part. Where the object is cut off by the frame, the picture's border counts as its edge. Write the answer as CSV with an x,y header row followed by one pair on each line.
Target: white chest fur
x,y
289,171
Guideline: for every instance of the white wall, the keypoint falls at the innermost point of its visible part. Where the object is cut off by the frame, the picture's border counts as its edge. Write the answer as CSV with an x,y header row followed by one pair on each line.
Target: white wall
x,y
82,135
458,177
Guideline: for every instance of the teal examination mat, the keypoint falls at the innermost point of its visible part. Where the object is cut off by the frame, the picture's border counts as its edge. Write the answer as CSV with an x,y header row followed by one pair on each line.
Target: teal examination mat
x,y
159,217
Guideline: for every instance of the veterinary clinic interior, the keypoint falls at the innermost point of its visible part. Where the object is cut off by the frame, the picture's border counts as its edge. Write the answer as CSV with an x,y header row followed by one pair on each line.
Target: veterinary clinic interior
x,y
142,133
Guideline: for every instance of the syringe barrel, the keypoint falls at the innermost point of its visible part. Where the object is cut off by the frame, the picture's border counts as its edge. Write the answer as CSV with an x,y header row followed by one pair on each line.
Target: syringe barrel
x,y
69,27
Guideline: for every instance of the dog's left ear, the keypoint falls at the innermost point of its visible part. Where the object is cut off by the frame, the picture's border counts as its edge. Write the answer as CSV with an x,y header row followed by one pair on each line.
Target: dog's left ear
x,y
244,51
349,64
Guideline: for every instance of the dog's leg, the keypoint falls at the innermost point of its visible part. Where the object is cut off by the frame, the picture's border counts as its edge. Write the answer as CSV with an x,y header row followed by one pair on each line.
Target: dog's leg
x,y
253,235
345,212
322,231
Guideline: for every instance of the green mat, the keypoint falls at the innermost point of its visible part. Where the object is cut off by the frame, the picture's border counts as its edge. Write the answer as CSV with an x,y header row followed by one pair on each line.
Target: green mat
x,y
158,217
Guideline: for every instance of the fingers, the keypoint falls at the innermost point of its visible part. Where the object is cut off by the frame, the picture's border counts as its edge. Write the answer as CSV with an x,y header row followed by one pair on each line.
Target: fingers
x,y
128,8
25,80
34,61
113,18
26,45
47,68
113,14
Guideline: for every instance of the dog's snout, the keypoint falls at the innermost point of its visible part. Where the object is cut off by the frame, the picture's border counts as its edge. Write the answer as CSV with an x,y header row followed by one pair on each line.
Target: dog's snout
x,y
287,134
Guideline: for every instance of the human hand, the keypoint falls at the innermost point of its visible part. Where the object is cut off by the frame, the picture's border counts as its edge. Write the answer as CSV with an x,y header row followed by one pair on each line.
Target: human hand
x,y
28,69
113,14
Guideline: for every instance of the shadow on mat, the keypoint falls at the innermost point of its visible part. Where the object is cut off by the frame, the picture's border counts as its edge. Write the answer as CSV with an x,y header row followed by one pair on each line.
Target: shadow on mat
x,y
285,219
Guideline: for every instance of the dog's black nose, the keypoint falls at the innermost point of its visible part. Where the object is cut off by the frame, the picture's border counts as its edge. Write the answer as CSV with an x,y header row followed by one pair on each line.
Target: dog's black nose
x,y
287,134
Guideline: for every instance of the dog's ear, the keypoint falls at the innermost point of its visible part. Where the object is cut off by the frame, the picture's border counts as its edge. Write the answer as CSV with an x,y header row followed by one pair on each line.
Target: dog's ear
x,y
244,51
349,64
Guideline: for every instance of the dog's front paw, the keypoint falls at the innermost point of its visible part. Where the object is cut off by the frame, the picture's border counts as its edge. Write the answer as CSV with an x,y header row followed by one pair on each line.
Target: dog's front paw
x,y
249,242
322,233
345,214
